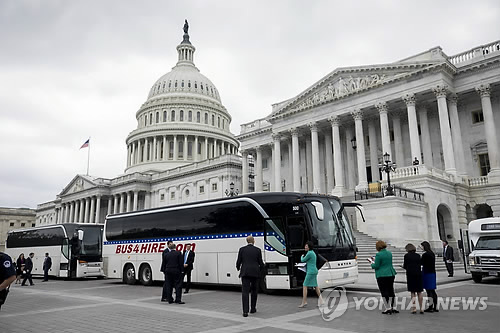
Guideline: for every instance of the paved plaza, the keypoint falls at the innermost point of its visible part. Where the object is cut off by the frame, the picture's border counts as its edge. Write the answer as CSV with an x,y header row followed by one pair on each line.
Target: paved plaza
x,y
110,306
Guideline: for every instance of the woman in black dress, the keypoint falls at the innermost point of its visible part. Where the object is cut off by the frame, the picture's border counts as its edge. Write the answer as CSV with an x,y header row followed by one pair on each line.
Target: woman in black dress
x,y
414,277
19,268
429,275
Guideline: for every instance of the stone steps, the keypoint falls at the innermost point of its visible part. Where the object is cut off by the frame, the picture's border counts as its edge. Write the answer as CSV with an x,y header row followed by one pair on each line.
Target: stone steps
x,y
366,249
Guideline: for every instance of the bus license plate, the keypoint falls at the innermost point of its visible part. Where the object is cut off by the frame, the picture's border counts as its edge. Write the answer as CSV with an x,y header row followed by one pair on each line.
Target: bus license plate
x,y
346,275
492,273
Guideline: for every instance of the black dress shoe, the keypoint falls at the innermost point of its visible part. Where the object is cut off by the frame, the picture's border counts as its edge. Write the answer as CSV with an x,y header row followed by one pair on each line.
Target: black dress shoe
x,y
436,310
187,291
170,302
429,310
253,310
245,315
387,312
180,302
164,300
394,311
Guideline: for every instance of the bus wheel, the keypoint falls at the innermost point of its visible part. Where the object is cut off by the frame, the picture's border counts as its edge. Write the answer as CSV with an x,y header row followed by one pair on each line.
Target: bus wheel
x,y
129,274
477,277
145,275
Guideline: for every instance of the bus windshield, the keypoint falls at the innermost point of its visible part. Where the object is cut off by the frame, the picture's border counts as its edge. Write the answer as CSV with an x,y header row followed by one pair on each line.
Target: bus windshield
x,y
488,243
91,243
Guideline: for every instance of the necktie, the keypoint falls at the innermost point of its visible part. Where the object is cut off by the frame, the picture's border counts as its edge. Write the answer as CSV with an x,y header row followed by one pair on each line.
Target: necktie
x,y
185,257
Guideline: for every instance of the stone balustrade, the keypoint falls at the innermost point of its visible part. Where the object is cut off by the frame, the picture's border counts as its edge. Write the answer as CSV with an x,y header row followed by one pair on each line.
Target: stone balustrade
x,y
254,125
478,181
479,51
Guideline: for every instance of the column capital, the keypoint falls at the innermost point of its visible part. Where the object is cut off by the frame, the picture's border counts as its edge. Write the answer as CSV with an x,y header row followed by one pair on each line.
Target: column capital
x,y
453,98
259,149
294,131
276,137
357,114
244,153
381,107
313,126
440,91
334,120
484,90
409,99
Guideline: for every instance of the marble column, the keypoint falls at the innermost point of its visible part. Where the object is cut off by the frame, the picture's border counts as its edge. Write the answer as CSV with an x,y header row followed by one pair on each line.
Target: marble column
x,y
71,217
258,170
244,171
277,162
139,160
98,210
122,203
136,200
115,206
81,210
426,136
385,134
491,136
398,140
360,143
110,205
337,157
315,157
145,151
329,162
295,159
309,166
372,134
87,210
289,184
129,152
176,148
154,150
205,153
165,156
444,125
185,148
129,202
456,134
195,149
133,159
92,210
410,101
351,174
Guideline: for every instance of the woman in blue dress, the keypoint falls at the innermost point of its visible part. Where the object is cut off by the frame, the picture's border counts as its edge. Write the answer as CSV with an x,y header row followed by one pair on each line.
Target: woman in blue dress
x,y
311,274
429,275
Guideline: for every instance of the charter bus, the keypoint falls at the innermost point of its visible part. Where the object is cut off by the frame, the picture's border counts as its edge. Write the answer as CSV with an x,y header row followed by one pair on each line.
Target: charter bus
x,y
484,256
75,249
281,223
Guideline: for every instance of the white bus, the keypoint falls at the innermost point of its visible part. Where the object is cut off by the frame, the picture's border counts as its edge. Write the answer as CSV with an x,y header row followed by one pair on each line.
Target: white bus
x,y
280,222
75,249
484,258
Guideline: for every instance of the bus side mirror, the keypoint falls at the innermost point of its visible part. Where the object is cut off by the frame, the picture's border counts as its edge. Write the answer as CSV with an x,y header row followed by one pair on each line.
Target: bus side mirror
x,y
80,235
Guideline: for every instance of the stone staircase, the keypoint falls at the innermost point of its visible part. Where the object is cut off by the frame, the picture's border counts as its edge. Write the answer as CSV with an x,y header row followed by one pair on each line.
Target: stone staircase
x,y
366,249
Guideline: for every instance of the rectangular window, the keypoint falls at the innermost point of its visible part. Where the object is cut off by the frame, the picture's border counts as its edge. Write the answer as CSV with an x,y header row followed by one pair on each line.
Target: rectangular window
x,y
391,134
172,195
33,224
190,116
190,149
264,163
214,187
180,149
171,149
484,164
199,148
162,197
477,117
11,224
202,189
198,117
23,224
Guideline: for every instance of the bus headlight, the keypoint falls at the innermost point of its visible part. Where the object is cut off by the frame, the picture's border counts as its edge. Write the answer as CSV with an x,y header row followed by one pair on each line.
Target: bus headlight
x,y
472,261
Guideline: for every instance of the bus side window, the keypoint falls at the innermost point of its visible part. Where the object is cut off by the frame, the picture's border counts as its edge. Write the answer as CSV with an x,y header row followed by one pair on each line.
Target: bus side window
x,y
274,234
296,232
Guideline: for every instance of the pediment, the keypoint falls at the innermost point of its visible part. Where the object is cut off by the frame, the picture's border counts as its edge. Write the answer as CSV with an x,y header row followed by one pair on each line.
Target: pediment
x,y
77,184
345,82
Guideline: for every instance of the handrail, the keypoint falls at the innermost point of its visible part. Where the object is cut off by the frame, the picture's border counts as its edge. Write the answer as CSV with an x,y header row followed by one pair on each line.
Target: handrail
x,y
397,190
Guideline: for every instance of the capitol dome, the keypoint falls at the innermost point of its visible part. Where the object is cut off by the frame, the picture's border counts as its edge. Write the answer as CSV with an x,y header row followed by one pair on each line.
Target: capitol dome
x,y
182,121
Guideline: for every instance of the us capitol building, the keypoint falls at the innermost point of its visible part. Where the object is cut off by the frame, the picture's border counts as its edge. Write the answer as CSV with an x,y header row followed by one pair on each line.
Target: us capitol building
x,y
435,116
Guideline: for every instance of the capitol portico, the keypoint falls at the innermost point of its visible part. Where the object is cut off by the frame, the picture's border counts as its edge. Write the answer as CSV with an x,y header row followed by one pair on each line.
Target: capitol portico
x,y
442,111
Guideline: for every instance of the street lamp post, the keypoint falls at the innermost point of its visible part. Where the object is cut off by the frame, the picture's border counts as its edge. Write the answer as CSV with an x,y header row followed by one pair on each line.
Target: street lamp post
x,y
231,192
388,167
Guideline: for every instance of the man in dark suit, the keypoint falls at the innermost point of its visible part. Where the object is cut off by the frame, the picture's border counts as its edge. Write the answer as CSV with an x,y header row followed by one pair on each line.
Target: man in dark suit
x,y
28,267
164,296
448,258
188,265
173,267
250,264
47,264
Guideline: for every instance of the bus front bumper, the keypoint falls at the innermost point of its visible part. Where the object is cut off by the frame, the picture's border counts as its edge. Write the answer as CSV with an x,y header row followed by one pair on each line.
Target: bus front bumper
x,y
338,274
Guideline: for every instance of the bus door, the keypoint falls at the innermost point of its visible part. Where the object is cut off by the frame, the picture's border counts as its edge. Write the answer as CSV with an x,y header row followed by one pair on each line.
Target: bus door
x,y
464,245
297,237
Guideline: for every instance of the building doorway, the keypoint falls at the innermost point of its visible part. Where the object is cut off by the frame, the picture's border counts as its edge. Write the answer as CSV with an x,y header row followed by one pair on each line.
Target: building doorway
x,y
483,211
445,224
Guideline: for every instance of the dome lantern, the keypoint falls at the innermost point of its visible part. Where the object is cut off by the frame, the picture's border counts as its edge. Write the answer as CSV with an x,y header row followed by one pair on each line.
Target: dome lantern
x,y
185,49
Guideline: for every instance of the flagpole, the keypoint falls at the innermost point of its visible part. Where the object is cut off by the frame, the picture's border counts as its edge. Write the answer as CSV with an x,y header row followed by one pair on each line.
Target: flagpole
x,y
88,158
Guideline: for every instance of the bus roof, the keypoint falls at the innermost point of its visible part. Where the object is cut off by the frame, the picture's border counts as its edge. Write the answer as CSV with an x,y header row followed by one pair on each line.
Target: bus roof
x,y
260,198
475,225
68,226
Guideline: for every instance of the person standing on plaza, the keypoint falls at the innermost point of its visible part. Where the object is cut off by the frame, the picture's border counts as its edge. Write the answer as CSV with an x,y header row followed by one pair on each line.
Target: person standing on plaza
x,y
429,275
7,276
188,265
250,265
28,267
19,267
412,266
47,265
173,268
310,280
385,274
448,257
164,296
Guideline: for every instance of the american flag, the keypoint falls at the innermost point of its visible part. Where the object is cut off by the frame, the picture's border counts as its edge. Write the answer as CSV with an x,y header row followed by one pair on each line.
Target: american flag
x,y
86,144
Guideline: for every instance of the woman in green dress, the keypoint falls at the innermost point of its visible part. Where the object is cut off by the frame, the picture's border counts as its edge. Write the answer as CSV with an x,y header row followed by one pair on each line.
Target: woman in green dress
x,y
311,274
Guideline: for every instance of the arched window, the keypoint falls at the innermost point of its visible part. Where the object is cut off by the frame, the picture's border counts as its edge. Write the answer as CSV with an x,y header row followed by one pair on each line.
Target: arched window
x,y
201,85
180,149
189,84
190,116
195,85
157,117
181,115
172,115
175,84
218,122
163,87
164,116
150,119
206,118
145,119
198,117
213,120
182,84
170,84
